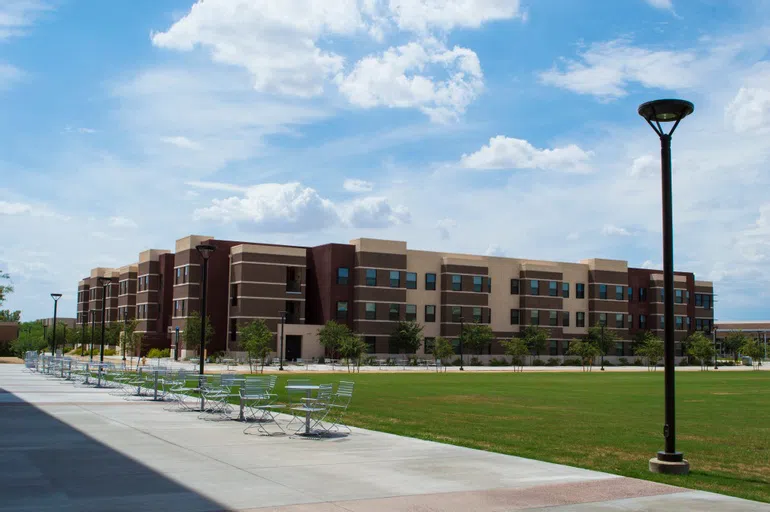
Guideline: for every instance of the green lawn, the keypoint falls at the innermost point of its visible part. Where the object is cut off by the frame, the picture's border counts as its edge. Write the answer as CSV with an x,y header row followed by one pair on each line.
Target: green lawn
x,y
610,422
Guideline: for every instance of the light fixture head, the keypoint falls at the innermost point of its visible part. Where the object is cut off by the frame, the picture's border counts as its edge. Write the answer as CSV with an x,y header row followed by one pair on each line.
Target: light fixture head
x,y
205,250
103,281
56,296
666,111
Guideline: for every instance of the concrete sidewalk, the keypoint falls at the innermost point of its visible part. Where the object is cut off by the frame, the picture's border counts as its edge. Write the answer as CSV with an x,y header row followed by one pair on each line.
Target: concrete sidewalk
x,y
81,449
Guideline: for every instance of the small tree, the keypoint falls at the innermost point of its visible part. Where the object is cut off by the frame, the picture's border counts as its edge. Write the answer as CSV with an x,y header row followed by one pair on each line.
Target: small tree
x,y
331,336
352,348
406,337
754,350
6,315
477,336
518,349
442,351
536,338
653,351
127,337
602,338
700,348
586,351
112,333
734,341
256,337
192,331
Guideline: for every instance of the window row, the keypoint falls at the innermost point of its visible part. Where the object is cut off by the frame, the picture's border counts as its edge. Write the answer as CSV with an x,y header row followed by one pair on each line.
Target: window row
x,y
394,311
182,275
141,311
179,308
703,300
704,324
394,278
554,290
143,283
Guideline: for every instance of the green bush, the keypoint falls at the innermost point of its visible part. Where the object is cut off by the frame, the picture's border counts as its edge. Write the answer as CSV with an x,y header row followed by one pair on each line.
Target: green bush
x,y
322,360
538,362
498,362
552,362
607,363
623,361
475,361
638,362
158,353
457,362
571,362
517,361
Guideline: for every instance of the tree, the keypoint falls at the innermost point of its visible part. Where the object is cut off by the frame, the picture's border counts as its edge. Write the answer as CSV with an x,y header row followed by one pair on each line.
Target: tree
x,y
754,350
256,337
331,336
127,341
442,351
734,341
5,290
477,336
406,337
536,338
652,350
112,334
586,351
602,339
352,348
700,348
6,315
192,331
518,349
30,339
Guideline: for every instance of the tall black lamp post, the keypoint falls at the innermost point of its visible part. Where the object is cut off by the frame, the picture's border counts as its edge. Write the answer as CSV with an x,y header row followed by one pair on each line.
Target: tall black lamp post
x,y
125,340
55,297
655,113
82,335
716,353
104,282
462,335
205,250
283,326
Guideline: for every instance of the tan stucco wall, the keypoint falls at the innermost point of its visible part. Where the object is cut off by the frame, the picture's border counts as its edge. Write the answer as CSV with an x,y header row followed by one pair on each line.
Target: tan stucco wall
x,y
269,249
609,265
189,242
424,262
502,270
151,255
575,273
310,345
382,246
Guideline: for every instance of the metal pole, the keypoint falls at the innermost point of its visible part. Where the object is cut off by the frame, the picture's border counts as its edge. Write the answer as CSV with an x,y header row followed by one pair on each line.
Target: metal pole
x,y
55,307
101,344
176,350
283,325
669,429
602,324
462,335
93,321
203,313
716,353
82,337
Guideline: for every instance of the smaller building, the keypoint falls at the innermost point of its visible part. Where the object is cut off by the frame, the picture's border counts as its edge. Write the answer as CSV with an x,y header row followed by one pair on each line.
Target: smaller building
x,y
758,329
9,331
48,322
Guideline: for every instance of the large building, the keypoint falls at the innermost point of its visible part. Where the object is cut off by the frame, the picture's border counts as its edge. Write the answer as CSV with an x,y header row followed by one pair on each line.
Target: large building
x,y
372,284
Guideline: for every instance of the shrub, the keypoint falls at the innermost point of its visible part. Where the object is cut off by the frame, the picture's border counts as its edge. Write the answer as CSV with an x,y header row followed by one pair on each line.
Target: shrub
x,y
607,363
571,362
322,360
475,361
517,361
155,352
638,362
552,362
498,362
623,361
456,362
684,362
538,362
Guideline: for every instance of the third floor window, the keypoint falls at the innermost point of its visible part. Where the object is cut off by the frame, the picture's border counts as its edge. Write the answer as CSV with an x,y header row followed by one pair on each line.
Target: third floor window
x,y
580,290
411,280
430,281
343,275
371,277
478,284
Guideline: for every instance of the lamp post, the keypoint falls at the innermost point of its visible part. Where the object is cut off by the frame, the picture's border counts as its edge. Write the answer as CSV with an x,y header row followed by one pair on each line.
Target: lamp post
x,y
82,336
462,335
716,353
205,250
602,324
125,338
656,112
55,297
283,326
91,349
104,282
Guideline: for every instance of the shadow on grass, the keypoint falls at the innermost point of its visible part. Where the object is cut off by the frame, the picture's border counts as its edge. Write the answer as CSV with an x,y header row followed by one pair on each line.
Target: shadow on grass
x,y
46,464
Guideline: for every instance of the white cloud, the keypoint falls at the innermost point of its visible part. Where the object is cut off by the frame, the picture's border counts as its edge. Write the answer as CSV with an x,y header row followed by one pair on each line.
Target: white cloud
x,y
354,185
494,250
662,4
401,78
8,208
17,15
79,129
644,165
445,226
749,110
212,185
180,142
375,212
649,264
606,70
423,15
612,230
509,153
122,222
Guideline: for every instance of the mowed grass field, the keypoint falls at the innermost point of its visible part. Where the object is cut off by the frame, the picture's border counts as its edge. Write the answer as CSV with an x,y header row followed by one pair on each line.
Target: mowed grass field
x,y
609,422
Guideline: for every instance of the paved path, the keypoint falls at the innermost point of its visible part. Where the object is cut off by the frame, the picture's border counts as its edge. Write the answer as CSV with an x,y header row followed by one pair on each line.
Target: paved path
x,y
81,449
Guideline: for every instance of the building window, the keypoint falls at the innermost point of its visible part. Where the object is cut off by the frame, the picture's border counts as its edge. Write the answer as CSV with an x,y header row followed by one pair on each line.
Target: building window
x,y
178,277
186,274
580,290
514,317
580,319
534,317
457,313
234,294
370,312
642,322
430,281
371,277
603,291
620,320
679,296
679,323
394,313
411,280
343,275
662,295
395,279
553,318
662,321
534,287
687,299
514,286
182,307
430,313
619,293
630,321
620,348
233,329
603,319
553,348
411,313
707,301
698,300
293,280
688,323
489,285
642,294
457,283
478,285
371,344
553,289
565,290
477,315
342,310
630,293
176,308
565,318
430,344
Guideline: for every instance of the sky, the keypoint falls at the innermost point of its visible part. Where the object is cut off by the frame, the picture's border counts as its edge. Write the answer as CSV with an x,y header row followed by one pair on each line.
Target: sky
x,y
497,127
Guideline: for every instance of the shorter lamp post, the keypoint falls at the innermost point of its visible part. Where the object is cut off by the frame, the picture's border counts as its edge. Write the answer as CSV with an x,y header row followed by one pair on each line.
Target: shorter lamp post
x,y
82,336
716,352
104,282
55,297
283,326
462,335
91,348
205,250
125,338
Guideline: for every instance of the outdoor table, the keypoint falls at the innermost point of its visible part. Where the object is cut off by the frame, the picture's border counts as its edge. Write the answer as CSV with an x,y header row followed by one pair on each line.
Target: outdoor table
x,y
309,388
155,371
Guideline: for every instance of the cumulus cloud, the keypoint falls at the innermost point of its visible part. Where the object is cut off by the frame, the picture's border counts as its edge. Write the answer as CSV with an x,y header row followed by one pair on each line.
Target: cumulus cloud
x,y
666,5
293,208
9,208
509,153
612,230
356,186
17,15
180,142
644,166
122,222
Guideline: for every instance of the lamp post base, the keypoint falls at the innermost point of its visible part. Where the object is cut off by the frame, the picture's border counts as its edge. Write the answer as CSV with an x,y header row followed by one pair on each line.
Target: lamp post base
x,y
669,464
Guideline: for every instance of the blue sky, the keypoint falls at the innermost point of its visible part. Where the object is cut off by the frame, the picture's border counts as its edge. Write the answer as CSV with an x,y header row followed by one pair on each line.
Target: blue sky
x,y
484,126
